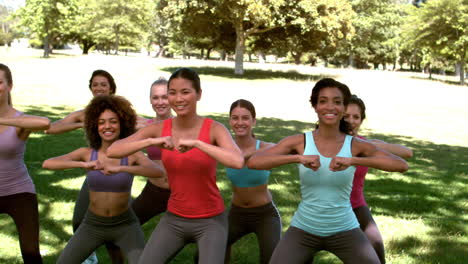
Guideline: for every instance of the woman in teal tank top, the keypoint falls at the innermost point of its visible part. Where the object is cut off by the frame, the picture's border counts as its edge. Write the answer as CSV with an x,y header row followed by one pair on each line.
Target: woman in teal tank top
x,y
252,209
327,158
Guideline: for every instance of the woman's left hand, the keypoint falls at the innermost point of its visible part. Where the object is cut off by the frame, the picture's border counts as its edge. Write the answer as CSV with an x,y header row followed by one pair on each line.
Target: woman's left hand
x,y
186,144
340,163
110,169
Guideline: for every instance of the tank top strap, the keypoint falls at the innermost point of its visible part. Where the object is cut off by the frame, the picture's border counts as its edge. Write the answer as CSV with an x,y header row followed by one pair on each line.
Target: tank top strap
x,y
167,128
257,146
346,149
94,155
124,161
205,130
309,144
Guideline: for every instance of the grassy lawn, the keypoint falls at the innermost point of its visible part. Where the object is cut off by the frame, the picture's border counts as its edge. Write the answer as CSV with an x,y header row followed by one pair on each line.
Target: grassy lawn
x,y
422,214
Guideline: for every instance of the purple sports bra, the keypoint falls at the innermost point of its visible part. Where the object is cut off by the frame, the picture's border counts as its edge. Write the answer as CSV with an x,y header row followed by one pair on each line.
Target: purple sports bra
x,y
14,177
118,182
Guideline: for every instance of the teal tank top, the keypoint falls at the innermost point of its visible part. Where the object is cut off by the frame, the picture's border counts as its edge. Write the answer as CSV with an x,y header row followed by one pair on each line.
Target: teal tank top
x,y
325,208
246,177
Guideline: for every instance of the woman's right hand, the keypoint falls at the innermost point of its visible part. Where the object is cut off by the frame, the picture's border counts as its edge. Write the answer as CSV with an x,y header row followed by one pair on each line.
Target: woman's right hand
x,y
164,142
92,165
310,161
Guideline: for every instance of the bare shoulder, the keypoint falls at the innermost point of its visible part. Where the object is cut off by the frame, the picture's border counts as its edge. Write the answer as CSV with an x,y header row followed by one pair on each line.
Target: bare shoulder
x,y
360,146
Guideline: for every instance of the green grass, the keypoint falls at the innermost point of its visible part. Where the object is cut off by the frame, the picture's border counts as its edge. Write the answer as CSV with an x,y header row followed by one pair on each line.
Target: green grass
x,y
422,214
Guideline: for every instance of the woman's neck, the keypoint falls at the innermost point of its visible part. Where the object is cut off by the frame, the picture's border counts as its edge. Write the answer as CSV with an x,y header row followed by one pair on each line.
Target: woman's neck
x,y
162,117
245,142
328,132
186,121
5,108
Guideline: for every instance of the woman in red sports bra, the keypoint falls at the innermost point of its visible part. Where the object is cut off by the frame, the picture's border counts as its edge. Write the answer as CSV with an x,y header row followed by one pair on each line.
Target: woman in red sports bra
x,y
109,217
192,145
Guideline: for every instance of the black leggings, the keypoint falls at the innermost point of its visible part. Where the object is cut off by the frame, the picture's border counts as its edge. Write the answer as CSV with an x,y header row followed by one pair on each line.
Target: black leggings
x,y
22,207
151,202
370,229
264,221
122,230
298,246
174,232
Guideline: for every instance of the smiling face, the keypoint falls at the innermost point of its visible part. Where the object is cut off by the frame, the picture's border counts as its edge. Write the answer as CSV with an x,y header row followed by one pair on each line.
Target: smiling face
x,y
241,121
100,86
182,96
353,117
108,126
330,107
159,101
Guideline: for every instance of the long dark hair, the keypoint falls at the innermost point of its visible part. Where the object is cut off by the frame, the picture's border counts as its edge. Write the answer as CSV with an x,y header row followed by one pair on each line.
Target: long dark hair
x,y
188,74
358,101
9,79
244,104
108,76
345,127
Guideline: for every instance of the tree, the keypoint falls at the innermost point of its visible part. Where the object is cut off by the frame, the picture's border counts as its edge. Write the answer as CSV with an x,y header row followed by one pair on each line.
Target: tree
x,y
46,19
441,28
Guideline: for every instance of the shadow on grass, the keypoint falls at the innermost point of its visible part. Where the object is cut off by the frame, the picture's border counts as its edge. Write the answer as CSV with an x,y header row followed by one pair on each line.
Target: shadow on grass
x,y
438,80
433,192
251,74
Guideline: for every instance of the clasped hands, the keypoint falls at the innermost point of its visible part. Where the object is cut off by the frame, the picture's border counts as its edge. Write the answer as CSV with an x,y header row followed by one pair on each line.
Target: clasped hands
x,y
336,164
183,145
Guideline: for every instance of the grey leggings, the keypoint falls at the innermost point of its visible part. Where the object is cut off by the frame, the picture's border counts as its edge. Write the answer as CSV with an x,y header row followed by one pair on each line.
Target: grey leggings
x,y
124,230
174,232
298,246
370,229
264,221
81,205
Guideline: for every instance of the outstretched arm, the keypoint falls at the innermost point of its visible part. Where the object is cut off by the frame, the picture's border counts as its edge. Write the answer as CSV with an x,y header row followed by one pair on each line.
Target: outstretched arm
x,y
142,166
143,138
74,159
70,122
395,149
368,155
28,122
285,152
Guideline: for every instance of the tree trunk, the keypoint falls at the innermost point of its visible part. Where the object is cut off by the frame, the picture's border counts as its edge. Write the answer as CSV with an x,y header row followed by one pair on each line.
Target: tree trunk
x,y
202,54
87,45
250,56
208,51
261,57
222,57
297,57
462,71
46,46
240,48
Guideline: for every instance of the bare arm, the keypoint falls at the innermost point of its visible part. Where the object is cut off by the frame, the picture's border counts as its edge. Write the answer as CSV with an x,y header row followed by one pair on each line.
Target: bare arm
x,y
368,155
74,159
285,152
141,122
27,122
142,165
143,138
395,149
224,150
70,122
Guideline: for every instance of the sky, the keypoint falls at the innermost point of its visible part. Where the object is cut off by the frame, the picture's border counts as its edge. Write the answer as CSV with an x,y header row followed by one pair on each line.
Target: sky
x,y
12,3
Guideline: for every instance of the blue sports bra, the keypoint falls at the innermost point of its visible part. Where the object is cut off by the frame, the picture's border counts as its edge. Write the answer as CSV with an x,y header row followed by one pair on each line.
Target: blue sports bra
x,y
118,182
246,177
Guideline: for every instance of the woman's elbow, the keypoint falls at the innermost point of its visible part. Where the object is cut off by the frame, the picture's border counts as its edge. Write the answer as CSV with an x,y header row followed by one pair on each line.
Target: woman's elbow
x,y
408,154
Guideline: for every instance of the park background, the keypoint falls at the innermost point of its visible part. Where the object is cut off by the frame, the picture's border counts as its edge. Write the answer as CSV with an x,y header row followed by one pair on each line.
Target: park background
x,y
422,214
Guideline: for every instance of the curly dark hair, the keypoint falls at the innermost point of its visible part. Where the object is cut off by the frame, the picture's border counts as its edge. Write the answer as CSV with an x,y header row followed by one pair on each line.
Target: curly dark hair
x,y
108,76
117,104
